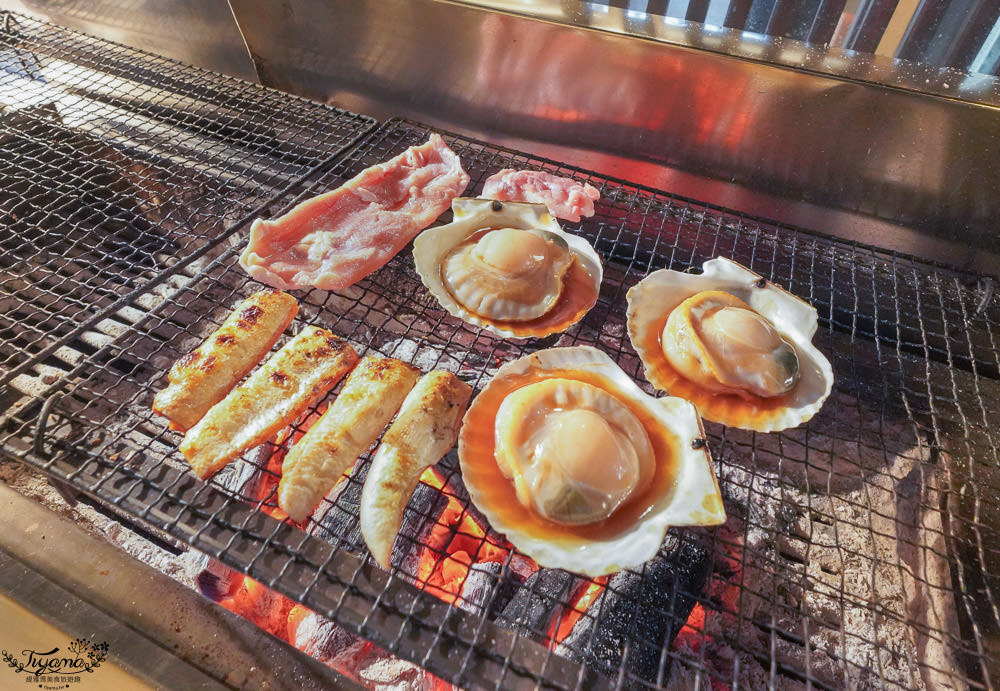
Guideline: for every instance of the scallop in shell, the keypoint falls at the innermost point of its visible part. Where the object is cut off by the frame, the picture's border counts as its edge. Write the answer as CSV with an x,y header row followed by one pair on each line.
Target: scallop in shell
x,y
737,346
509,268
579,467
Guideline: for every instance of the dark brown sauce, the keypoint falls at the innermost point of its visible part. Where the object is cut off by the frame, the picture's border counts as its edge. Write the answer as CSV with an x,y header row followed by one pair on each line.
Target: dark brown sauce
x,y
483,472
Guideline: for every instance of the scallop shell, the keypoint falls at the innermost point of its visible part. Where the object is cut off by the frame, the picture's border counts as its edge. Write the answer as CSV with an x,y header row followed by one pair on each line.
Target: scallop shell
x,y
582,284
683,490
650,303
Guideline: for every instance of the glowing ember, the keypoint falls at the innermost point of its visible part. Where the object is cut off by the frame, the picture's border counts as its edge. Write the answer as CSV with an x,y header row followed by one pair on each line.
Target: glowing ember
x,y
692,634
295,617
572,614
456,542
261,605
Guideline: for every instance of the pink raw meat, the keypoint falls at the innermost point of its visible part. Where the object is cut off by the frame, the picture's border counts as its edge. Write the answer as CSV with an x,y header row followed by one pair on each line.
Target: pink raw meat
x,y
565,198
336,239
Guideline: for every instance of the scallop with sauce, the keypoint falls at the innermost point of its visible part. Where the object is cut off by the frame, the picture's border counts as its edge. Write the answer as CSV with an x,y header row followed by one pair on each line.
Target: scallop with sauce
x,y
509,268
579,467
735,345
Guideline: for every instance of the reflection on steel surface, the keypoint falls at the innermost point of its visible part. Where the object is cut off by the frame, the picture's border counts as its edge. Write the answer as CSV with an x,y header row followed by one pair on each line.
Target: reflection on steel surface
x,y
826,37
925,163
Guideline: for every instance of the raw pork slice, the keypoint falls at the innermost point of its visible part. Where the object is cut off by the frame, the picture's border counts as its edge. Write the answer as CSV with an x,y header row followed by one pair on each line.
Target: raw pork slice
x,y
334,240
565,198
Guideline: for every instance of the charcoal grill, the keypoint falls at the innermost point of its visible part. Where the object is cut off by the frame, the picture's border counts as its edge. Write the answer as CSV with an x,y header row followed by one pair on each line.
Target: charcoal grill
x,y
860,549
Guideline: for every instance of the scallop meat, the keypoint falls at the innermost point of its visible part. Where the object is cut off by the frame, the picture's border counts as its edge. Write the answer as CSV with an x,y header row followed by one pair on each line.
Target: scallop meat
x,y
734,344
509,268
581,469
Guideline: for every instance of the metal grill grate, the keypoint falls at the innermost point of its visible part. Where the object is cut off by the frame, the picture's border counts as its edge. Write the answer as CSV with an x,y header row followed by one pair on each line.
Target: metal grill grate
x,y
858,553
118,164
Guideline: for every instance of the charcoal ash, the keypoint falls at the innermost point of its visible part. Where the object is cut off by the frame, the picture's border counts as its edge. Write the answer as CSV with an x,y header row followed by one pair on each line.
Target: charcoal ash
x,y
389,673
816,579
351,655
322,639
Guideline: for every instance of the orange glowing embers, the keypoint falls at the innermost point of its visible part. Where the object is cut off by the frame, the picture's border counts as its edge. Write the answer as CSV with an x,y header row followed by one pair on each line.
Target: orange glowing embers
x,y
261,605
571,615
454,544
692,634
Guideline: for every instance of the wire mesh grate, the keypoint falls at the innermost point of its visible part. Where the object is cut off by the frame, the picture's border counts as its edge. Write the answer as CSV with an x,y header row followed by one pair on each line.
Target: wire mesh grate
x,y
859,551
118,164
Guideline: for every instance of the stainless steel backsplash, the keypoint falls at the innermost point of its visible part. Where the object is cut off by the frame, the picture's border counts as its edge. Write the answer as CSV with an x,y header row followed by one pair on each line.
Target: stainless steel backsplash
x,y
842,154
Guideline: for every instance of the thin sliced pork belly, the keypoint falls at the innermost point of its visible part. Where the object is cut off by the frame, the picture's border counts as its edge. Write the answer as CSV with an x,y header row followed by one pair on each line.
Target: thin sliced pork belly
x,y
334,240
565,198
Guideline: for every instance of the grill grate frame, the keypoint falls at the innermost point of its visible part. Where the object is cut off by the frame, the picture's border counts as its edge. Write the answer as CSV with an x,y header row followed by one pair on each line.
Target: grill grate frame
x,y
913,345
119,165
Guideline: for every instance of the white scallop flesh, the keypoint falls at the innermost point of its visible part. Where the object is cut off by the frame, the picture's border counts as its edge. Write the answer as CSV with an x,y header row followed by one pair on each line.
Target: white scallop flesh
x,y
744,350
574,452
674,484
661,293
511,314
508,274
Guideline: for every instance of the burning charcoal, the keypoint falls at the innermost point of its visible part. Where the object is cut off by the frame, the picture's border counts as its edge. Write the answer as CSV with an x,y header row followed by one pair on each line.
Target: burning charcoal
x,y
320,638
480,587
244,478
491,585
261,605
422,512
641,612
538,602
520,568
449,542
337,517
215,580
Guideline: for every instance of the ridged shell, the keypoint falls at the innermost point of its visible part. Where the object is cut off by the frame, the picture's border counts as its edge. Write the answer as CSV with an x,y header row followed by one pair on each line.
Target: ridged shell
x,y
683,490
650,303
582,283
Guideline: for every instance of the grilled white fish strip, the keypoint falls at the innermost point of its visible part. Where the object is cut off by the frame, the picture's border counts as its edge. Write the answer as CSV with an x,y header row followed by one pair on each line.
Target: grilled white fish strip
x,y
424,430
370,397
294,378
203,377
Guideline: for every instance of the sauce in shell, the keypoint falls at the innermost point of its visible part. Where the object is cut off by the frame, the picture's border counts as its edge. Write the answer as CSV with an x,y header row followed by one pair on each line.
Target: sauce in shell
x,y
728,408
579,293
479,466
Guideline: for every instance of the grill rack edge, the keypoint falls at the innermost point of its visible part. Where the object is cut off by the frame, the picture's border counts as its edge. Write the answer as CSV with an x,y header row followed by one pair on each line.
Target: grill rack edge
x,y
964,363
